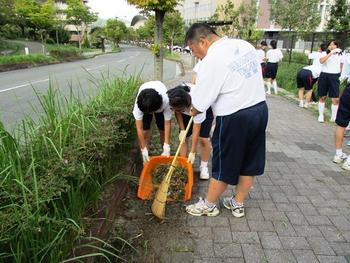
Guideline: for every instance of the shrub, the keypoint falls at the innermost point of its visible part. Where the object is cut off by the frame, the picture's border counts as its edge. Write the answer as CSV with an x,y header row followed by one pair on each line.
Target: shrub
x,y
297,57
64,51
32,58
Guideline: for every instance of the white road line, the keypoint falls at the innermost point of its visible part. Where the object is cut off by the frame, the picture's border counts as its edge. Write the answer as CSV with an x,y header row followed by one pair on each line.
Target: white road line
x,y
122,60
24,85
90,69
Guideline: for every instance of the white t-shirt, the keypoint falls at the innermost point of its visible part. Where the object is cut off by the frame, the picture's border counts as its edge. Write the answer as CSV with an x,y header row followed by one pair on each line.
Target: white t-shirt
x,y
274,55
161,89
315,56
229,78
346,68
315,70
196,67
261,55
332,65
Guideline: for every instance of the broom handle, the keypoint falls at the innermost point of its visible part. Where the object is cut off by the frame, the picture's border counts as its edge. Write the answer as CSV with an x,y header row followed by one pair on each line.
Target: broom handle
x,y
182,141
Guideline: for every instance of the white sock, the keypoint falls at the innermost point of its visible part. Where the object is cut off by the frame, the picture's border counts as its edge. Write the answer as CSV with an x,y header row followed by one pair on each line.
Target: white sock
x,y
236,203
334,109
274,84
339,152
268,87
204,164
208,204
348,160
320,108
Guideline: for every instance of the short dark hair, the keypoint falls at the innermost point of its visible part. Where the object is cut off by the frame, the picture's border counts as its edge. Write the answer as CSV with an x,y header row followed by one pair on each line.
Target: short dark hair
x,y
273,44
323,47
334,41
149,100
198,30
263,43
179,97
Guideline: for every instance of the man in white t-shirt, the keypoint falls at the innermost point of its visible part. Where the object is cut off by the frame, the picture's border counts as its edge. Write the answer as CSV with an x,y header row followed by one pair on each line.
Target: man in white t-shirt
x,y
152,100
230,81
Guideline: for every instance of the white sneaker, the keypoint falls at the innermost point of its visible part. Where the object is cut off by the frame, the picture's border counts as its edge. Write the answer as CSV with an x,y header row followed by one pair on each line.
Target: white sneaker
x,y
306,105
320,118
268,92
346,166
301,104
204,175
201,209
237,211
339,159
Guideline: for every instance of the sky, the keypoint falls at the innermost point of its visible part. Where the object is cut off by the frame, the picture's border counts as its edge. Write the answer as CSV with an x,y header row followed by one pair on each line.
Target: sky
x,y
113,8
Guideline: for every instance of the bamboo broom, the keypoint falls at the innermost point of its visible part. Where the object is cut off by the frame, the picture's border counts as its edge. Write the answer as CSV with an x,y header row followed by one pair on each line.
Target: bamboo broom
x,y
159,202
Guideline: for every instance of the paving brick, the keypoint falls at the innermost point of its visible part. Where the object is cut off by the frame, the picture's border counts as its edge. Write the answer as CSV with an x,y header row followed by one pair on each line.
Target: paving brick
x,y
196,220
320,246
332,259
318,220
278,256
204,248
287,207
340,222
222,235
294,242
307,231
239,224
245,237
299,199
284,229
253,214
253,253
217,221
325,211
270,240
305,256
341,249
202,233
331,233
257,225
308,209
279,197
229,250
267,205
296,218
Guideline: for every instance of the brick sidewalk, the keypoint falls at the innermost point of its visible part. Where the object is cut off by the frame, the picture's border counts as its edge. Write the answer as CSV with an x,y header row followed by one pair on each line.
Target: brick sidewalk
x,y
299,211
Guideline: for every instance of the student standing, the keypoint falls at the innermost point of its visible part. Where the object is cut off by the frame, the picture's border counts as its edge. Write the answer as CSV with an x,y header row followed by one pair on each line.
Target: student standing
x,y
152,100
343,117
308,76
328,82
261,50
273,56
230,81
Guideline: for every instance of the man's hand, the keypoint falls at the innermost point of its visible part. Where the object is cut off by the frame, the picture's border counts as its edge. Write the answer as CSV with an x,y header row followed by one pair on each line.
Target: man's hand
x,y
166,150
182,134
145,156
191,157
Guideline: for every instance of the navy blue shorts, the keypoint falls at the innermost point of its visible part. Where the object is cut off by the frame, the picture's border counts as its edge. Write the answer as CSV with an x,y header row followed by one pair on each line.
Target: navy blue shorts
x,y
239,144
328,84
205,125
263,69
305,80
343,114
271,70
147,120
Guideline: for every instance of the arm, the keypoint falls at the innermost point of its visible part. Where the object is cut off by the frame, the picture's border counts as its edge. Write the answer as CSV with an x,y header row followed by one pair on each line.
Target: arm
x,y
139,130
180,120
195,135
325,58
167,129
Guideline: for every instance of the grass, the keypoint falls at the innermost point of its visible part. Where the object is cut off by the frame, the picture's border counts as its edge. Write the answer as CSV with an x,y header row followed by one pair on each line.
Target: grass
x,y
172,55
54,169
32,58
16,48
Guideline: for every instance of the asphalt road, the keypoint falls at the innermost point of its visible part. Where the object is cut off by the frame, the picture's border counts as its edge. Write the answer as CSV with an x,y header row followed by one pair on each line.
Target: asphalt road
x,y
17,95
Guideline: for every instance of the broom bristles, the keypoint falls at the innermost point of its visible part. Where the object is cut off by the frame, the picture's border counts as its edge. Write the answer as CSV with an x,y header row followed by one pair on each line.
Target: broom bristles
x,y
159,202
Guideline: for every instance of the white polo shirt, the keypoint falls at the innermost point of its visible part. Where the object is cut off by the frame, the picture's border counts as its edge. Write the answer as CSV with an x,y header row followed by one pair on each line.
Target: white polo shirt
x,y
229,78
261,55
274,55
332,65
315,56
161,89
315,70
346,68
196,67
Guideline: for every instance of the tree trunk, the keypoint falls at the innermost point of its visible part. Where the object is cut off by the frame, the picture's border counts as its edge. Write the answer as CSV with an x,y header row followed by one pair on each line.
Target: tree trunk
x,y
291,47
57,41
158,39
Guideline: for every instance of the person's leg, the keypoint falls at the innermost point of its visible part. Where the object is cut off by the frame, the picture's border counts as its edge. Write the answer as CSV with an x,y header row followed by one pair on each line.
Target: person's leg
x,y
308,98
268,85
334,108
274,84
159,116
339,137
147,137
184,148
301,97
321,105
205,150
242,188
215,190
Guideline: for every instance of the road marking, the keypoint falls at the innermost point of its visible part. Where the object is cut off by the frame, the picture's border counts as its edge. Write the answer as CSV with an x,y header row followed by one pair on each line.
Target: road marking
x,y
90,69
24,85
122,60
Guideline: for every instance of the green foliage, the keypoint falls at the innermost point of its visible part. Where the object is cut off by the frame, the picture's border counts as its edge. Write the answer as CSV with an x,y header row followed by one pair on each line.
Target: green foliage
x,y
339,16
6,12
297,57
164,5
296,15
57,167
115,30
146,32
63,52
16,59
174,28
287,74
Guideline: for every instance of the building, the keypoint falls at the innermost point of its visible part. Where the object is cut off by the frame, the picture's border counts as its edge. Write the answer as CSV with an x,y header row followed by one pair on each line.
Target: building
x,y
61,6
138,21
194,10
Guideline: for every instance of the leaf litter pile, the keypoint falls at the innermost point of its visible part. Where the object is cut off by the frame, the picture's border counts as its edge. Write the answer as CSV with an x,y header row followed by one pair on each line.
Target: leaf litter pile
x,y
178,180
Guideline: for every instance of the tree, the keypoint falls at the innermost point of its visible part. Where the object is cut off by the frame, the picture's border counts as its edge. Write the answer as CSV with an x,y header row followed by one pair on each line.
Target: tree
x,y
115,30
339,20
44,18
79,15
295,15
6,11
174,28
160,7
24,9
